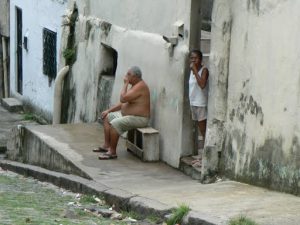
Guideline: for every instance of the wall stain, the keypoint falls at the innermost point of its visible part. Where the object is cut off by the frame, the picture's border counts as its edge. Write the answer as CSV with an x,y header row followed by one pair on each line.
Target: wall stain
x,y
267,165
247,106
253,5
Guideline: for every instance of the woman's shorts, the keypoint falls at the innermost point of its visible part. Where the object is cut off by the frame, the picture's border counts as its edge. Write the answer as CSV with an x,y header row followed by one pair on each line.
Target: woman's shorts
x,y
125,123
199,113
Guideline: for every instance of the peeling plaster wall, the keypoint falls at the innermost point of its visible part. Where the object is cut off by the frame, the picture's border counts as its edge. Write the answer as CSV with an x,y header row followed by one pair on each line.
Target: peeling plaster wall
x,y
138,41
4,18
262,128
36,89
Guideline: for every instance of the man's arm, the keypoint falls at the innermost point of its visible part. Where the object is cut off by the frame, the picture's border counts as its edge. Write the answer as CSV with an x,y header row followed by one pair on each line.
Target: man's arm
x,y
131,94
112,109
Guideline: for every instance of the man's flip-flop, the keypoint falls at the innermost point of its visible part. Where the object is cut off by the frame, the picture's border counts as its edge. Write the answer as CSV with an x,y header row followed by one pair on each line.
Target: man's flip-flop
x,y
107,156
100,149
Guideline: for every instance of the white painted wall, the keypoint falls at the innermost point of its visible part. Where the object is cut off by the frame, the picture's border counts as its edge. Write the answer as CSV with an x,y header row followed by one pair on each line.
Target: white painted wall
x,y
155,16
136,34
36,16
262,125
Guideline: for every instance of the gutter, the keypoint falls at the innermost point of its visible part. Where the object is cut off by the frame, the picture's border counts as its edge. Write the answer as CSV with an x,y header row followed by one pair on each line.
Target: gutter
x,y
58,94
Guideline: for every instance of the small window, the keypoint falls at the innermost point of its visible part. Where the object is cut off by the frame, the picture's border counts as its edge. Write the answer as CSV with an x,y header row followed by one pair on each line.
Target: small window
x,y
49,53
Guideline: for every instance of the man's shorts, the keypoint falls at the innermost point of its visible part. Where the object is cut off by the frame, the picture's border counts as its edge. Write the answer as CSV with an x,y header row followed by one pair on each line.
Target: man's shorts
x,y
125,123
199,113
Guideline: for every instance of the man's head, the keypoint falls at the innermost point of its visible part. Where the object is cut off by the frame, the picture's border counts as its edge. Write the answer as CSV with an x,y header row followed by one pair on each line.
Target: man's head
x,y
136,71
134,74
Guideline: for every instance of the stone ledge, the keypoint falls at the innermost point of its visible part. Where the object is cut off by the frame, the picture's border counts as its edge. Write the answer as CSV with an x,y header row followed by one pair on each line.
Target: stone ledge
x,y
197,218
12,104
145,206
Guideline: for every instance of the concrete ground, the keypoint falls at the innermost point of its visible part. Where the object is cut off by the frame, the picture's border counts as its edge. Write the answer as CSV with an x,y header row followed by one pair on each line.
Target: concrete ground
x,y
222,200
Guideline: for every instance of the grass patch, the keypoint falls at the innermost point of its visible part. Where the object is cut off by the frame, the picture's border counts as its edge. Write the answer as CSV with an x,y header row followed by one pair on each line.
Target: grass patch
x,y
26,201
242,220
84,199
178,215
131,214
30,116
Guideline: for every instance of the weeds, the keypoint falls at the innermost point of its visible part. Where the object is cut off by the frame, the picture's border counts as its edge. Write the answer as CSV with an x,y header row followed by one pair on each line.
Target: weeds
x,y
178,215
242,220
29,116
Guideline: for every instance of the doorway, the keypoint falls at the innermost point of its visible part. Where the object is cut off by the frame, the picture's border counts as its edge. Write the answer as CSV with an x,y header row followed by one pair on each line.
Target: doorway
x,y
19,51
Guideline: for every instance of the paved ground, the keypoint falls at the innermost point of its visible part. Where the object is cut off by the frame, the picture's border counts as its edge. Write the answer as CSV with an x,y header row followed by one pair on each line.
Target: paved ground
x,y
160,182
7,120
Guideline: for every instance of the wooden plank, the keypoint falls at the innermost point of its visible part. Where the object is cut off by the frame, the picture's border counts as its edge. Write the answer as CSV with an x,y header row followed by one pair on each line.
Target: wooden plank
x,y
134,149
147,130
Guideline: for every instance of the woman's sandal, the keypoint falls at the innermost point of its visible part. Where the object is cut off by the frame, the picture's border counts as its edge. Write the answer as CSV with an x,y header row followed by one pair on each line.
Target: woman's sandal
x,y
100,149
107,156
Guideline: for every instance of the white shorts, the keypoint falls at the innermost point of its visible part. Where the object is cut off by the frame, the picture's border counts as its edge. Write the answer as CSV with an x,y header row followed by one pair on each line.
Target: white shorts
x,y
199,113
124,123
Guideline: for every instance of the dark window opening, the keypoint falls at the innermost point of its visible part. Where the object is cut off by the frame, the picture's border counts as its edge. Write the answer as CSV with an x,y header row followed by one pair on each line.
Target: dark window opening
x,y
110,60
49,53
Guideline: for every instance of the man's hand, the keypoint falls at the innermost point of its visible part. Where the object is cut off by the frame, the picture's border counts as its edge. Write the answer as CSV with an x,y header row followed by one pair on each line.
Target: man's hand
x,y
126,80
104,114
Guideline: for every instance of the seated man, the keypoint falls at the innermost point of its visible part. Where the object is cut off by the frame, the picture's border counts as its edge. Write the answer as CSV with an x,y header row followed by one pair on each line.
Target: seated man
x,y
133,111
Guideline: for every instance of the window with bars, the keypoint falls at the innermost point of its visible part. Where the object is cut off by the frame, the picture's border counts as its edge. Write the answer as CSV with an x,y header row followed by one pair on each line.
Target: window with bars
x,y
49,53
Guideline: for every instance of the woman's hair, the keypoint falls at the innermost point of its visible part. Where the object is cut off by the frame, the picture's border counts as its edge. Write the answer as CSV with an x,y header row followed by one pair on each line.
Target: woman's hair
x,y
198,53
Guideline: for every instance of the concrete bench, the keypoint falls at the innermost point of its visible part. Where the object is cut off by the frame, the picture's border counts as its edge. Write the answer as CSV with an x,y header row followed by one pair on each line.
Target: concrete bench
x,y
144,143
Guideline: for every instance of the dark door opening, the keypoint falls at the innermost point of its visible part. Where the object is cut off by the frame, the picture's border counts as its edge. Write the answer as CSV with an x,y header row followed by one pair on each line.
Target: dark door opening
x,y
19,62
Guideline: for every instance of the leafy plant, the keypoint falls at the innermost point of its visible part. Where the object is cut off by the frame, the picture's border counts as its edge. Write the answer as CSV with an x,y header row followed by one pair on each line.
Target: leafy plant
x,y
70,55
242,220
178,215
30,116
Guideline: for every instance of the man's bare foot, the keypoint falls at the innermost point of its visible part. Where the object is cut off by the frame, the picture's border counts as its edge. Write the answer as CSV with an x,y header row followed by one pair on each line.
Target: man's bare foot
x,y
100,149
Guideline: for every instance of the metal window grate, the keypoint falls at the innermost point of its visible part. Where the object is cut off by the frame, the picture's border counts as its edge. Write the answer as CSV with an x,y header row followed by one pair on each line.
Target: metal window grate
x,y
49,53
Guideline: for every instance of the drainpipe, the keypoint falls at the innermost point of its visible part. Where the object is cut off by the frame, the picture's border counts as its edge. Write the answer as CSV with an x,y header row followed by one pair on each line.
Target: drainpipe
x,y
5,68
58,94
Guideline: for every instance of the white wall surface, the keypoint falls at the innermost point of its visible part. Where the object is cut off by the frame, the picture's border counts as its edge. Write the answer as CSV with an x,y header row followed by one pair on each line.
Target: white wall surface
x,y
36,16
263,103
155,16
136,34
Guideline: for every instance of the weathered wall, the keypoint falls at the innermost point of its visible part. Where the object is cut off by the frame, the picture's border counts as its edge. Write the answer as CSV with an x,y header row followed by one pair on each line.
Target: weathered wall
x,y
36,88
262,128
4,18
128,29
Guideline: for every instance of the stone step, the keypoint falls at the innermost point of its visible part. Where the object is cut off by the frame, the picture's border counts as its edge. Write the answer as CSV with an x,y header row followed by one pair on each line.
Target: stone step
x,y
187,168
12,104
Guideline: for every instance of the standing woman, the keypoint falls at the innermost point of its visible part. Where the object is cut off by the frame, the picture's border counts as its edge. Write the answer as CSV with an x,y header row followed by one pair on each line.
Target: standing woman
x,y
198,90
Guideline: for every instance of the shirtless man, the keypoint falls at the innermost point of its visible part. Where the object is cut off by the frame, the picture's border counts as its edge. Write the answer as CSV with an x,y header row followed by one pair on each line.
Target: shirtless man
x,y
133,111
